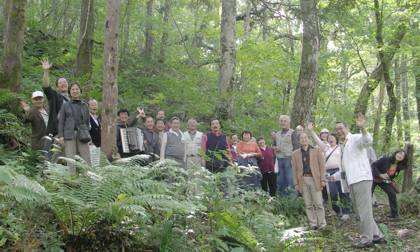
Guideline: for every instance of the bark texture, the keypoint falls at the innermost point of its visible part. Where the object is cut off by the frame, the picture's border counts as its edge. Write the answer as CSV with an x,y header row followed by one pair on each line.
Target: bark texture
x,y
148,34
164,38
304,95
110,87
228,57
86,38
14,27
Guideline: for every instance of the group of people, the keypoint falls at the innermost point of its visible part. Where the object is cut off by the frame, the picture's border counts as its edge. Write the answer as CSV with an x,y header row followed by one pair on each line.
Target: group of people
x,y
337,165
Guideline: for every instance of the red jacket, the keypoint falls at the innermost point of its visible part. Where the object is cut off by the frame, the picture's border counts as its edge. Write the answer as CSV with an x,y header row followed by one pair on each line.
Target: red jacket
x,y
266,162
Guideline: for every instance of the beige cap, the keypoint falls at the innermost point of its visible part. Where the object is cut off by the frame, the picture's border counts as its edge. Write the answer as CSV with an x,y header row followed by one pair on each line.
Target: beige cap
x,y
37,94
324,130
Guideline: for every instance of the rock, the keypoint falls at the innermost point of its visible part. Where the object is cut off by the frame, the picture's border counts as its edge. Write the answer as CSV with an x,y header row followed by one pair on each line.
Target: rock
x,y
293,233
405,233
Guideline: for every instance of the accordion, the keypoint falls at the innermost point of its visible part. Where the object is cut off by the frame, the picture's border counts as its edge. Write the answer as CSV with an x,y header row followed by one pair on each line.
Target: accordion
x,y
131,140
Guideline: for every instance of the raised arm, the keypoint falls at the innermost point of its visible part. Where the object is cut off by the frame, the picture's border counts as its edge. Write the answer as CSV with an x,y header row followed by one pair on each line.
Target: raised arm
x,y
27,109
366,139
142,116
322,145
46,68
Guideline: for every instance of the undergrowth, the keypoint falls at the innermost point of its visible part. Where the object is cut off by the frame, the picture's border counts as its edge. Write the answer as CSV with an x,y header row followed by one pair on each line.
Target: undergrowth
x,y
135,205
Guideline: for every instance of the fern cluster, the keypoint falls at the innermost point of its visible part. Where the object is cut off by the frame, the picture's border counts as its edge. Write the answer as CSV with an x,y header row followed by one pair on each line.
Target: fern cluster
x,y
133,204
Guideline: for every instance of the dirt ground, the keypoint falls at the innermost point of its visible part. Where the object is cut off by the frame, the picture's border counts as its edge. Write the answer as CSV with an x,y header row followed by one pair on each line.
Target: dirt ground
x,y
340,235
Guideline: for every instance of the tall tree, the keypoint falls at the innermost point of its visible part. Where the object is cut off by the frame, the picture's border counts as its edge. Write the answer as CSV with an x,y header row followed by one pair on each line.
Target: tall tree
x,y
291,58
14,16
148,33
377,123
389,118
416,69
305,88
397,81
86,38
228,57
386,55
110,87
405,103
126,30
164,39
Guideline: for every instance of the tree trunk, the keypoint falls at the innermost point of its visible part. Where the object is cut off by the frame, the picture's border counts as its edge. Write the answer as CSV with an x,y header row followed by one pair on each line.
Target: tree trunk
x,y
126,30
86,37
2,21
378,117
389,119
305,88
288,88
392,109
247,26
228,57
14,16
376,76
416,70
164,39
66,18
264,24
148,34
408,172
405,101
110,87
397,81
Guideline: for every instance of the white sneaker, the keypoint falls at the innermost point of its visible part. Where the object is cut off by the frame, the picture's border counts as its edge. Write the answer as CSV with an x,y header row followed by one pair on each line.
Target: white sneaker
x,y
345,217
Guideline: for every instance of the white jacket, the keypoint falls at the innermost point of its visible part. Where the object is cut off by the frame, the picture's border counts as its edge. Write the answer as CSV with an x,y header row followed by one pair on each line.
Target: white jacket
x,y
355,161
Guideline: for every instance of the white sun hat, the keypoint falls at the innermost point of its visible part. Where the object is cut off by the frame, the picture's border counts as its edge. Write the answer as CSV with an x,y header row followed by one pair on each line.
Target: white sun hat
x,y
37,94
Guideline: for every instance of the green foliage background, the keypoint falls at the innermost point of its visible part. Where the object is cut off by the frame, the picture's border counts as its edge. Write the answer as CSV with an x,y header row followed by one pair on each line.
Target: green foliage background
x,y
267,65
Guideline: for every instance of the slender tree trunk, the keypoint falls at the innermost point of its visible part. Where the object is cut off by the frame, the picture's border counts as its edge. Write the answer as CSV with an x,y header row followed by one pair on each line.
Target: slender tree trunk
x,y
110,87
405,101
389,119
408,172
86,37
228,57
288,88
164,39
2,20
247,26
304,96
376,76
65,18
378,117
416,69
148,34
126,30
392,109
397,81
264,24
14,16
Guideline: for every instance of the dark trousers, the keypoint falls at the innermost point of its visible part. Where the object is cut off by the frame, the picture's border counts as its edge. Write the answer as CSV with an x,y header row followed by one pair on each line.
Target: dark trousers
x,y
269,183
392,196
342,206
324,194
